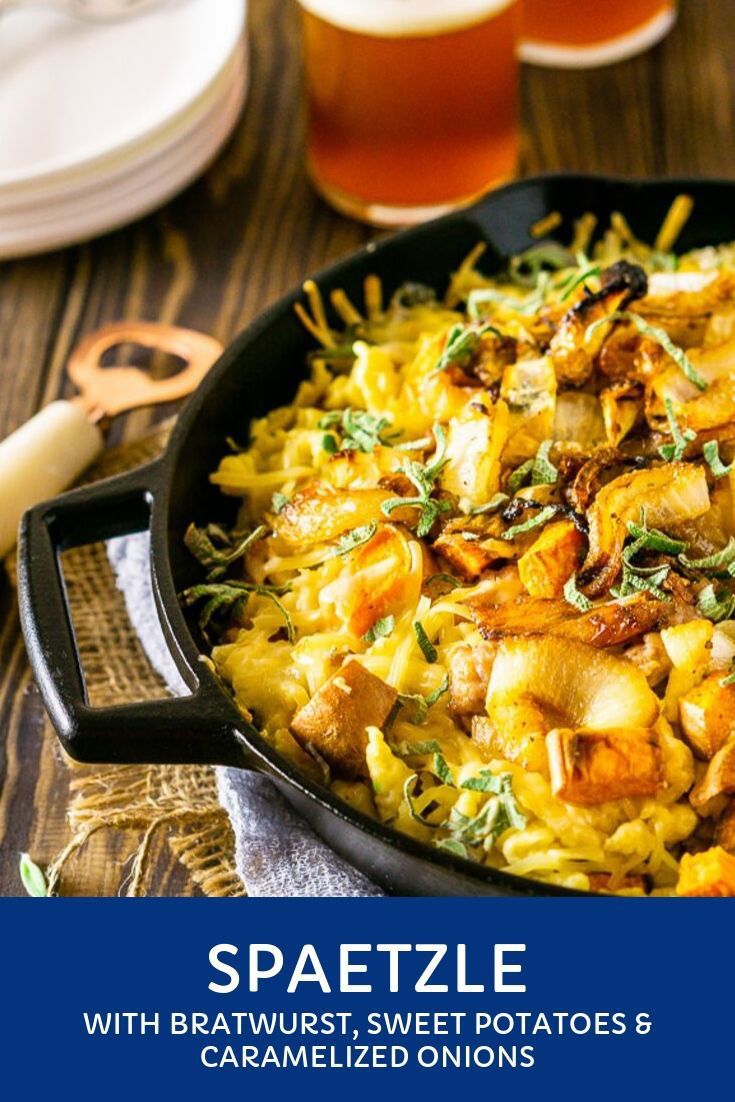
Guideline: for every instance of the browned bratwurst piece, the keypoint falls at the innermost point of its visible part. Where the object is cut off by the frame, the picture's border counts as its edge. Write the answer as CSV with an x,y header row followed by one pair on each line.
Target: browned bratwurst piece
x,y
335,718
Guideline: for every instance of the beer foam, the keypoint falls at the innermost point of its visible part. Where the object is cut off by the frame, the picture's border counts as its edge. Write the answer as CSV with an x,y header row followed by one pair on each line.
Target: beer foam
x,y
399,18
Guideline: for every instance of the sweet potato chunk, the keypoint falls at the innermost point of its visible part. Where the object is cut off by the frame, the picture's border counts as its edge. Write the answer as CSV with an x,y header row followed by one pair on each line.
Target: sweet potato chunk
x,y
469,673
551,560
469,556
521,743
335,718
707,796
707,715
591,767
711,873
376,581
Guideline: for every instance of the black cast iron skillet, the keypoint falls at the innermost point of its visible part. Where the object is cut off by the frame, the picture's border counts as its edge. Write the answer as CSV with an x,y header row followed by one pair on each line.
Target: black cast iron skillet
x,y
258,371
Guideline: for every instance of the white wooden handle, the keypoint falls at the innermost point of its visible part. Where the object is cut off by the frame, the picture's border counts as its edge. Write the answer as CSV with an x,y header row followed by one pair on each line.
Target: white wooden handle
x,y
41,459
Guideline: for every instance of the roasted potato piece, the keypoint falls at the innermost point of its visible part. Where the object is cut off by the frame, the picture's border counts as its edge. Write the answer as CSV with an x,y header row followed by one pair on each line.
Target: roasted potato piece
x,y
725,829
711,873
707,715
469,674
471,545
591,767
319,513
667,494
550,561
707,796
376,581
518,743
573,348
335,719
607,625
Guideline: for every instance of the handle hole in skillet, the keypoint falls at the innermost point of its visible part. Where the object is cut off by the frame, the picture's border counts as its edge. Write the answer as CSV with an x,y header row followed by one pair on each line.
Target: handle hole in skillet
x,y
116,667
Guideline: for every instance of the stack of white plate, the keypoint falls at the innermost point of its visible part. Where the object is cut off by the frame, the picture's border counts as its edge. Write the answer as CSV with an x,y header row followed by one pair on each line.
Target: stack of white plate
x,y
100,124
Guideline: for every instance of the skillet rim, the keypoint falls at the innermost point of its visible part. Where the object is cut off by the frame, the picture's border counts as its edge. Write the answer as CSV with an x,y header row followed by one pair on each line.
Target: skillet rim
x,y
184,647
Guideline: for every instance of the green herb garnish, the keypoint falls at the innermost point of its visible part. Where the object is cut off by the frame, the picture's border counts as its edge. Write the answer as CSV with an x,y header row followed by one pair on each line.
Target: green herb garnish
x,y
429,650
32,877
542,517
452,845
674,452
424,479
217,549
233,596
570,286
329,444
720,560
573,596
461,345
279,502
716,605
415,749
711,453
353,539
541,470
651,539
442,770
525,268
422,704
380,629
360,431
496,502
678,355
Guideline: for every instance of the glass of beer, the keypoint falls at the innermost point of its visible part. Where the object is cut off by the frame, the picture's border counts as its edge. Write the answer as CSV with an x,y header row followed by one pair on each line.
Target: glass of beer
x,y
412,104
581,34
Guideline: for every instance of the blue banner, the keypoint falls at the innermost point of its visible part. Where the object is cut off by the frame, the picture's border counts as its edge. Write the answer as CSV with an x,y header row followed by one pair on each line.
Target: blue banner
x,y
122,1000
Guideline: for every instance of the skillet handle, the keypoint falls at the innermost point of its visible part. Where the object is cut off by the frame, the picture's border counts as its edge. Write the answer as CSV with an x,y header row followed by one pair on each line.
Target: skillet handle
x,y
178,730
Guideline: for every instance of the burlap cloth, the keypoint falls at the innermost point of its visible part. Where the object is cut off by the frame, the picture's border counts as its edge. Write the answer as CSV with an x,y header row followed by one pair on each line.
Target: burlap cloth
x,y
180,801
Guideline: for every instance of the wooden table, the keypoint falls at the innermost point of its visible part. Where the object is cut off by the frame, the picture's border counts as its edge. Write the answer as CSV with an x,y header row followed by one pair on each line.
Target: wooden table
x,y
250,229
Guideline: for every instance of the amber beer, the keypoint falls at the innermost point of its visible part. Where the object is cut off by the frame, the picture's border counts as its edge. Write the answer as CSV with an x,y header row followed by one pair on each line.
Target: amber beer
x,y
585,33
412,103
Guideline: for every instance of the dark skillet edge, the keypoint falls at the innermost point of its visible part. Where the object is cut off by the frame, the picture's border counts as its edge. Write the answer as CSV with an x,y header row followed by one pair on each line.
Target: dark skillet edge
x,y
454,871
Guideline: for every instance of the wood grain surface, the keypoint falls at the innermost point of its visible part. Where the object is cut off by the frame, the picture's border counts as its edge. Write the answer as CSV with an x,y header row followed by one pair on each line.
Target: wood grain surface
x,y
247,231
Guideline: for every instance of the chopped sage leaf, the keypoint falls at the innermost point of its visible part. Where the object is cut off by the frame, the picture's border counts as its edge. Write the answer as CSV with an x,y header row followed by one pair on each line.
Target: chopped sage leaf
x,y
716,605
329,444
442,770
720,560
217,549
574,597
279,502
429,650
32,877
355,538
674,452
452,845
380,629
424,479
571,285
361,431
496,502
541,518
711,453
654,333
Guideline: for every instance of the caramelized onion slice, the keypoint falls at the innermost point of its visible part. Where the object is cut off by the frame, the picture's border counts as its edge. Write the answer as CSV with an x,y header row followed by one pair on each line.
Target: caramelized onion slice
x,y
607,625
667,495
